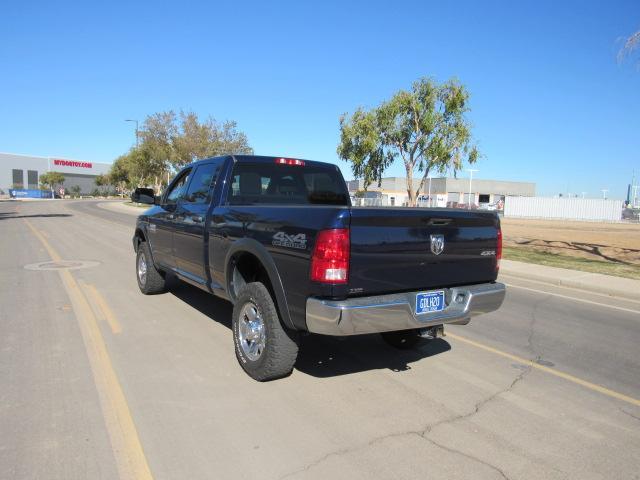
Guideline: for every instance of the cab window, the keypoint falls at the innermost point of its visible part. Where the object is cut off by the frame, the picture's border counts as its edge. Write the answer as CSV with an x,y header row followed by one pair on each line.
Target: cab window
x,y
267,183
178,189
202,183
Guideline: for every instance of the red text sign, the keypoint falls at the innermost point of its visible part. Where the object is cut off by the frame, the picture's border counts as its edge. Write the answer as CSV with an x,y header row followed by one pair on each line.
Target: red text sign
x,y
71,163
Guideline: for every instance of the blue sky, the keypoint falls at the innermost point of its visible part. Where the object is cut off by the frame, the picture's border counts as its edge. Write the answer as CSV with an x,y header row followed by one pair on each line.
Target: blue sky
x,y
550,104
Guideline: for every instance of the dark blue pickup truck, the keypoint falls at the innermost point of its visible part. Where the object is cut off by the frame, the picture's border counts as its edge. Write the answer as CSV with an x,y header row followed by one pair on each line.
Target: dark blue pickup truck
x,y
279,238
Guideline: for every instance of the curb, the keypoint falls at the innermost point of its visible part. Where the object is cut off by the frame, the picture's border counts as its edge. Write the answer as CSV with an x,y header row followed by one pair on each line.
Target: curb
x,y
575,283
121,208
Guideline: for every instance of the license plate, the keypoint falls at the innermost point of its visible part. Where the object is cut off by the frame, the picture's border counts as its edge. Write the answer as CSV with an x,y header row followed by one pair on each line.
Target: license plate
x,y
429,302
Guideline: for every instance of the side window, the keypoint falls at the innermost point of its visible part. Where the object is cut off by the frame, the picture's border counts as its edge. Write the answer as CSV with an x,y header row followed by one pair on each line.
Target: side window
x,y
178,189
204,179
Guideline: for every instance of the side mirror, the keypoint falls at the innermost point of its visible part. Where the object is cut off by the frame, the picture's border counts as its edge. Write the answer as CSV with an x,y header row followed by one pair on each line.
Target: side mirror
x,y
144,195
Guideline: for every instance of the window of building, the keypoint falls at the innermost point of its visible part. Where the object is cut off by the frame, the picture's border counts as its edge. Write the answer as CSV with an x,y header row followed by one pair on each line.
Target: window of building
x,y
32,179
18,178
483,198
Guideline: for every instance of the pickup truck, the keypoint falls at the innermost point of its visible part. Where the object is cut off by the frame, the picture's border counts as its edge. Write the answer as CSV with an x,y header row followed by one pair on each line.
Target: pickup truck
x,y
279,239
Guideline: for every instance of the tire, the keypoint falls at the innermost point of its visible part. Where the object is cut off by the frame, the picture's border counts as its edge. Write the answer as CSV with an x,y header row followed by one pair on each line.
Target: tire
x,y
403,339
265,349
151,281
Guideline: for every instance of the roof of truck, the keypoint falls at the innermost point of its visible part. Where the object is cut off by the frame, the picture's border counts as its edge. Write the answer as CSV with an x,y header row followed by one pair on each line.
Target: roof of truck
x,y
263,159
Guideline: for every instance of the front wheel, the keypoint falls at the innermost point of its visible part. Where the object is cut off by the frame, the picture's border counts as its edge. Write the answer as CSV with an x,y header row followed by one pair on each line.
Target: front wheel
x,y
150,280
265,349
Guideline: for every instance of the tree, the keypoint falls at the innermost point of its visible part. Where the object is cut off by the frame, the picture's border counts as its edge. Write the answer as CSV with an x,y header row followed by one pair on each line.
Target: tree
x,y
101,180
425,127
51,180
76,190
119,174
182,138
169,141
630,44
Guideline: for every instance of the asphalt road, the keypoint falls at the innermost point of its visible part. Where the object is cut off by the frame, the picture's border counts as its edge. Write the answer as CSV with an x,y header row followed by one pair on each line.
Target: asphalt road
x,y
98,381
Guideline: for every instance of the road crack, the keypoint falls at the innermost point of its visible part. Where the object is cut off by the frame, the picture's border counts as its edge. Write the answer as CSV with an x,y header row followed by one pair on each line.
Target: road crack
x,y
532,327
424,434
630,414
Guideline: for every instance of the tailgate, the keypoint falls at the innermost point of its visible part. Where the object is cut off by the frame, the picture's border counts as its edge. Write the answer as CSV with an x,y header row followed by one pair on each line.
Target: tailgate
x,y
391,249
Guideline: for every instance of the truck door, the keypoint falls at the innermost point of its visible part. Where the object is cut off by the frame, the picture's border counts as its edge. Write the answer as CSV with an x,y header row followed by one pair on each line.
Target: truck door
x,y
162,223
189,234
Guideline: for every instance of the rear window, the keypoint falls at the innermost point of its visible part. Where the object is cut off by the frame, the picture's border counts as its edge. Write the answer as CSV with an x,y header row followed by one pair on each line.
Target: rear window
x,y
264,183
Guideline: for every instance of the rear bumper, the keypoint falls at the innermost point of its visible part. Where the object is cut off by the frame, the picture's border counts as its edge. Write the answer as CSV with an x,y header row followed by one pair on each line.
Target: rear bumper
x,y
385,313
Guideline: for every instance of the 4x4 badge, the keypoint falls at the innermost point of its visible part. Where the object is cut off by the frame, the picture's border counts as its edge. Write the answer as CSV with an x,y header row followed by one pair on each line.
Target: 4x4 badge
x,y
437,244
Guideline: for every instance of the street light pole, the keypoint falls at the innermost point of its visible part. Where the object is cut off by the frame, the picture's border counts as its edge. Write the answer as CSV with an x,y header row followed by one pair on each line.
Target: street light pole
x,y
429,197
471,170
604,193
129,120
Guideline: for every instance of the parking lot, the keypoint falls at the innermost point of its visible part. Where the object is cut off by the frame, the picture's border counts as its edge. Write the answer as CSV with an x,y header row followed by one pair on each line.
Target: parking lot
x,y
99,381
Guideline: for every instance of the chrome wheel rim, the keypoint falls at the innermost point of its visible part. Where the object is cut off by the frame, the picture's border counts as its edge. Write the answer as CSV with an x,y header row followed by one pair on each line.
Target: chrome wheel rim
x,y
251,331
142,269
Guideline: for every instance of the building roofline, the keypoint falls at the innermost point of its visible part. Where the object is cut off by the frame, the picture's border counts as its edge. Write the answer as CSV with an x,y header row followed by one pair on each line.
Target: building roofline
x,y
54,158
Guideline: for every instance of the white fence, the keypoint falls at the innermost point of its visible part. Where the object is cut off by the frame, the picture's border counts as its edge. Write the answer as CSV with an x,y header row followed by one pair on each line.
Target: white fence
x,y
564,208
370,202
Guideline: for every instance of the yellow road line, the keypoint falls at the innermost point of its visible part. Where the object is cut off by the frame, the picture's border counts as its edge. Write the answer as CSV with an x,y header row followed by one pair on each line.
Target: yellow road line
x,y
102,304
556,373
52,253
129,455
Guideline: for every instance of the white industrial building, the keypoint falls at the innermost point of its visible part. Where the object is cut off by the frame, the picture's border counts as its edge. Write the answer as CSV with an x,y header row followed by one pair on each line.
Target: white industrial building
x,y
444,191
23,171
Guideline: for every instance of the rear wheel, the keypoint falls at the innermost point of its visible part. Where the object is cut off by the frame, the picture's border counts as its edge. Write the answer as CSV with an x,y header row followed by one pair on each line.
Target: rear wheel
x,y
150,280
403,339
265,349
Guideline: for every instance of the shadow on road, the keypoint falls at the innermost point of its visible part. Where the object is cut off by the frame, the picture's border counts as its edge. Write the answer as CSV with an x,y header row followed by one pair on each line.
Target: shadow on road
x,y
320,355
323,356
12,215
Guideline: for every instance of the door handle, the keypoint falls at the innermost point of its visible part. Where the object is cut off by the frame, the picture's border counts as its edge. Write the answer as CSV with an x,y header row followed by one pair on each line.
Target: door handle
x,y
197,218
170,216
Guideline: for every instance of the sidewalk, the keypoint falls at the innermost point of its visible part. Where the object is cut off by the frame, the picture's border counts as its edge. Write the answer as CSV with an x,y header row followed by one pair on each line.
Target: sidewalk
x,y
118,206
592,282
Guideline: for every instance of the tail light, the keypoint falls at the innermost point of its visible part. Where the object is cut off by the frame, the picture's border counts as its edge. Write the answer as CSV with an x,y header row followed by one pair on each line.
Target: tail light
x,y
290,161
499,249
330,258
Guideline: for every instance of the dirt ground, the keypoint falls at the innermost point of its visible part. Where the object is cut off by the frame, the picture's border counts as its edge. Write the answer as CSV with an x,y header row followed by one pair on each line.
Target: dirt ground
x,y
608,242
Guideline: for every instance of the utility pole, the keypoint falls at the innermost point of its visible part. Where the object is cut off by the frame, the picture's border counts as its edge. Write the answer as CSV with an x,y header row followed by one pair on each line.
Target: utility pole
x,y
129,120
471,170
604,193
429,197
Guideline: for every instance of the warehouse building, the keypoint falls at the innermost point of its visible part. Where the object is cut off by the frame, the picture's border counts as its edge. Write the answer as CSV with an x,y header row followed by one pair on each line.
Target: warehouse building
x,y
444,191
23,172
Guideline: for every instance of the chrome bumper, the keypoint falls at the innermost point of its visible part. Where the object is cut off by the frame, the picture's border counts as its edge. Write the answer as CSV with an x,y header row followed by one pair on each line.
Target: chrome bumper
x,y
385,313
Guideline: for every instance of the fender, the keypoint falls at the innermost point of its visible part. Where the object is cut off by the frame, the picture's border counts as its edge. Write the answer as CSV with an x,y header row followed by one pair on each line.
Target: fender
x,y
258,250
142,228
